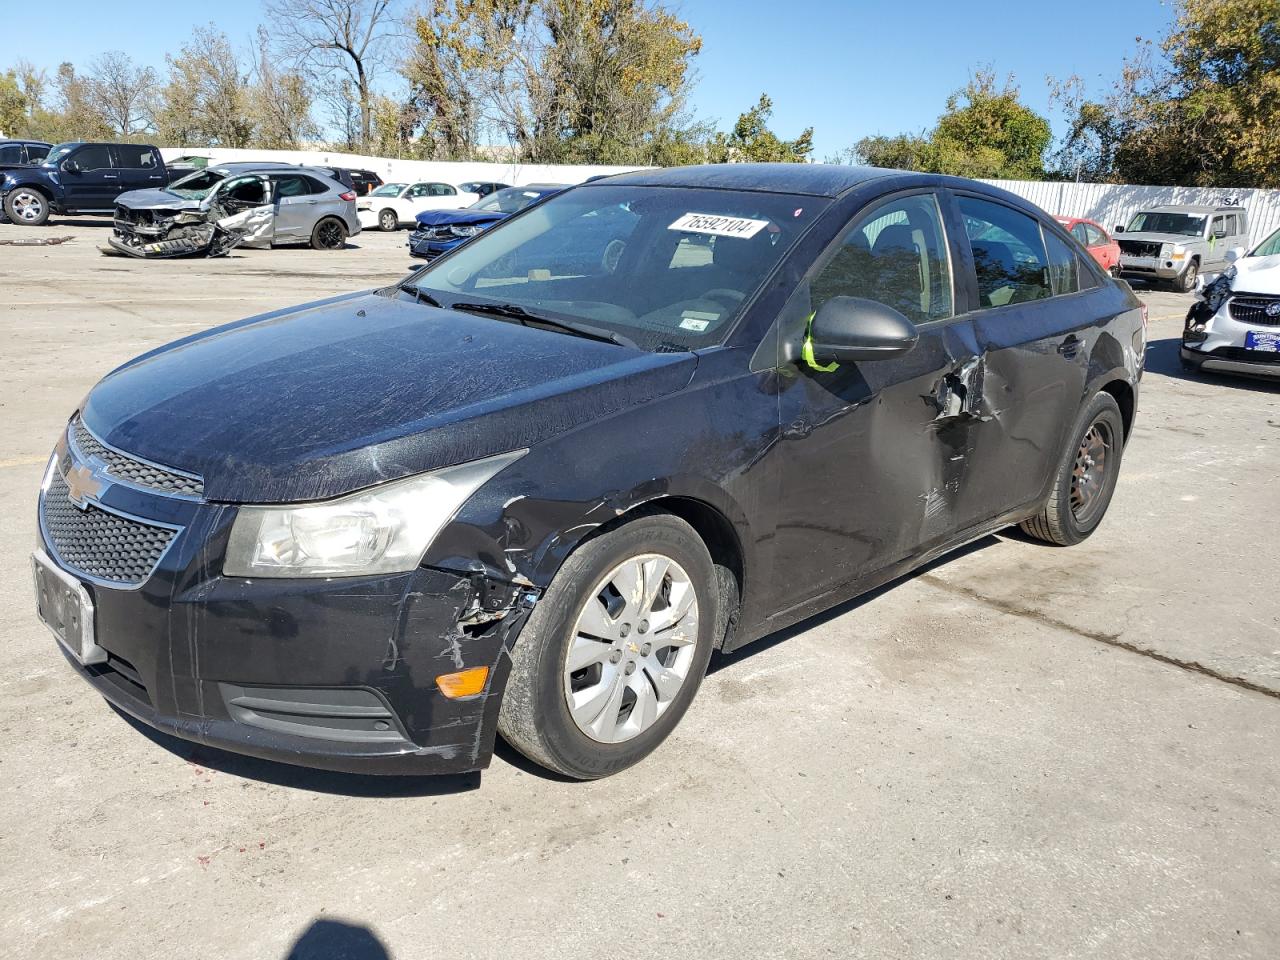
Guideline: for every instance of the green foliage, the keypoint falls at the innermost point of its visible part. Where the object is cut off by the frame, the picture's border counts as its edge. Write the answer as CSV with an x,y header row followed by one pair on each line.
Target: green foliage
x,y
985,131
751,140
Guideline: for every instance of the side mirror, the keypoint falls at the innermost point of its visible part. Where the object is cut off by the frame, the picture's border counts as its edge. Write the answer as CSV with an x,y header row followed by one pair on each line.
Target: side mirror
x,y
70,166
1118,229
851,328
1219,235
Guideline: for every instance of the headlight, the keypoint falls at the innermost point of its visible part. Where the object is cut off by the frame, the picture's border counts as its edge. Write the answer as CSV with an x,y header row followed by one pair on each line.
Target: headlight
x,y
465,230
385,529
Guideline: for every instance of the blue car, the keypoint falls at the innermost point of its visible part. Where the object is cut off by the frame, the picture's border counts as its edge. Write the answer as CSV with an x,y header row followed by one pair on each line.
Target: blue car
x,y
439,231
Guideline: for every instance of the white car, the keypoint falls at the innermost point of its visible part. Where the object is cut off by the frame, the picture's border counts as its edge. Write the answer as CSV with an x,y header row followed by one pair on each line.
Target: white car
x,y
394,205
1234,326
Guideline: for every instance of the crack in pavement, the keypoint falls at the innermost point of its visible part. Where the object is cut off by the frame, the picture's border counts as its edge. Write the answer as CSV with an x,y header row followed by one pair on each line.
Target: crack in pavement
x,y
1110,639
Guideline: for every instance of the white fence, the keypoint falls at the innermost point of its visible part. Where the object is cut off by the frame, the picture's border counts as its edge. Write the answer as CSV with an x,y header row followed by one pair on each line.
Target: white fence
x,y
1107,204
407,171
1112,204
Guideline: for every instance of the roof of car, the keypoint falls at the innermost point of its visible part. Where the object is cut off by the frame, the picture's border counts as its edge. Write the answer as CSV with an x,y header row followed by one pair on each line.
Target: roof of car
x,y
1191,208
813,179
38,143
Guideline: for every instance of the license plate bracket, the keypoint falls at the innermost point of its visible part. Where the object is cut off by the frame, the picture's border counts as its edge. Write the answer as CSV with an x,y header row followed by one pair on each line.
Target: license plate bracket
x,y
65,607
1263,341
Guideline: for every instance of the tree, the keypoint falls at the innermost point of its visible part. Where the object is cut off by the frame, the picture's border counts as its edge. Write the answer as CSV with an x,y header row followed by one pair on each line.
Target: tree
x,y
207,98
751,140
74,114
344,43
280,104
122,94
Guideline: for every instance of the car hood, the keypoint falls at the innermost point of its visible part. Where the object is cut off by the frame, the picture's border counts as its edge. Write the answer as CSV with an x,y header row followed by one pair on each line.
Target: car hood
x,y
1258,275
1146,237
435,218
154,199
326,398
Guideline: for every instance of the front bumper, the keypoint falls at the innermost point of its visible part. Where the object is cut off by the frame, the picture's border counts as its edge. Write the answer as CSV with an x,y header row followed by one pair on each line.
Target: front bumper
x,y
425,248
1149,268
1233,360
337,674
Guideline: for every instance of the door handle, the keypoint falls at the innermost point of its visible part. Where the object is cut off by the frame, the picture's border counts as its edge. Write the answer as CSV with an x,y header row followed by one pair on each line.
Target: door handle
x,y
111,176
1070,346
155,176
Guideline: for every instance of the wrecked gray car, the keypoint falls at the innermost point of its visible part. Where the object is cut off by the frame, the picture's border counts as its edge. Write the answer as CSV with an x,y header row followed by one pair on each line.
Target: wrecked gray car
x,y
217,209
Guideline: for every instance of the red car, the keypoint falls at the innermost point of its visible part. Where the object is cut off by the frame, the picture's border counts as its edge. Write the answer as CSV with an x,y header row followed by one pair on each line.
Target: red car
x,y
1096,240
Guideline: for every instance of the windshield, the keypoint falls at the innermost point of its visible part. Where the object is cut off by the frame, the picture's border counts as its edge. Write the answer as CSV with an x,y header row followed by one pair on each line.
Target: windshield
x,y
666,267
58,152
511,200
198,185
1183,223
1268,247
388,190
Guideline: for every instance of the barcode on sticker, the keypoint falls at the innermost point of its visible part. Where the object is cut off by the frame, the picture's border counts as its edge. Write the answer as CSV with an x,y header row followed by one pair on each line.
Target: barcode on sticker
x,y
717,226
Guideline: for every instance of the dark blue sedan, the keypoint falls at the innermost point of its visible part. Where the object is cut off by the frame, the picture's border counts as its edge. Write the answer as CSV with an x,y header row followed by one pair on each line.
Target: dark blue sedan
x,y
439,231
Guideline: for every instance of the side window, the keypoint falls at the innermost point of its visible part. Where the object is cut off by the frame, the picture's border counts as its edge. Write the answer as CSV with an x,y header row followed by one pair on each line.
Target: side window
x,y
10,153
420,190
1008,253
36,153
93,158
313,185
1233,226
1219,228
1064,270
442,190
250,190
291,187
1081,232
130,156
896,255
1096,236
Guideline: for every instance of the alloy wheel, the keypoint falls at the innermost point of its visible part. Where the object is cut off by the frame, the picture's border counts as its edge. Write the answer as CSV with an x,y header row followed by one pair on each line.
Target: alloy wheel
x,y
389,220
1089,473
632,648
331,235
28,206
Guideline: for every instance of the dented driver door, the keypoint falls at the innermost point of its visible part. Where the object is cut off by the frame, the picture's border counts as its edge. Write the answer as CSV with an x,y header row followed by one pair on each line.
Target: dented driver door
x,y
874,453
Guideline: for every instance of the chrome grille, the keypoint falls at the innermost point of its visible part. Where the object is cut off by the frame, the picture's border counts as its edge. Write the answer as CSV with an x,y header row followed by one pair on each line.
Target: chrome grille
x,y
1252,308
98,543
137,472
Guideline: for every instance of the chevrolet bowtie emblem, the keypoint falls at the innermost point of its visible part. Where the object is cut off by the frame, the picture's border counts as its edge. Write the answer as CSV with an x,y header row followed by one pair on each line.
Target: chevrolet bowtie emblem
x,y
83,485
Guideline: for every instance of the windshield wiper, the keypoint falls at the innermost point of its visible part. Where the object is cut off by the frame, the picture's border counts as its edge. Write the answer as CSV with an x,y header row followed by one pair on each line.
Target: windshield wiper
x,y
512,311
420,295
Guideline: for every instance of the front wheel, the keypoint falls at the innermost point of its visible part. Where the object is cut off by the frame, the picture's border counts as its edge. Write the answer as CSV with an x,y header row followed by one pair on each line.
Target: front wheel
x,y
27,207
1187,282
388,220
614,653
329,234
1086,477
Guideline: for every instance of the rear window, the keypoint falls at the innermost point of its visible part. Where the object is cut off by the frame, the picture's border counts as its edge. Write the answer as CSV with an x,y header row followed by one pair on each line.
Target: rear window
x,y
132,157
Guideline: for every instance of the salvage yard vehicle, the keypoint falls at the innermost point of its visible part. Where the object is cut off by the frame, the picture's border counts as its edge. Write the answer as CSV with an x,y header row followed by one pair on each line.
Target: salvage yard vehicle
x,y
1102,247
79,178
482,188
1234,325
533,486
213,210
1178,242
439,231
394,205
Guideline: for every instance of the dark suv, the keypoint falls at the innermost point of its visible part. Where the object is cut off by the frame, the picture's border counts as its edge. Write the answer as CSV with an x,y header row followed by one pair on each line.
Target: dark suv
x,y
532,487
80,178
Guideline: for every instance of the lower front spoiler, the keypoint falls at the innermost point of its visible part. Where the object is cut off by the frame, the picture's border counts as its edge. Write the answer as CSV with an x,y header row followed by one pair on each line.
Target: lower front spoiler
x,y
386,759
1217,362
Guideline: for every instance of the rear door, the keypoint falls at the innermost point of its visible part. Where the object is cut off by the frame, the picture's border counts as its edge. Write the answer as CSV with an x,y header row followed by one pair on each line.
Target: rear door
x,y
97,183
1030,312
139,166
296,207
873,469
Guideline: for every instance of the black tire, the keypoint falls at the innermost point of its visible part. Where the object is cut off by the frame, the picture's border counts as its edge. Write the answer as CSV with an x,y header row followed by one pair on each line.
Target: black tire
x,y
535,717
1187,282
388,220
1062,520
329,234
27,207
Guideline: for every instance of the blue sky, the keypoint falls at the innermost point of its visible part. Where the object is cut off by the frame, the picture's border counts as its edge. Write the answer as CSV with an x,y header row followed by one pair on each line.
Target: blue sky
x,y
848,68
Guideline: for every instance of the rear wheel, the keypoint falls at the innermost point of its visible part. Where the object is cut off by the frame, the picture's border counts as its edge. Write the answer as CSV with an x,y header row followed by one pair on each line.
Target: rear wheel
x,y
388,220
1086,477
614,653
27,207
329,234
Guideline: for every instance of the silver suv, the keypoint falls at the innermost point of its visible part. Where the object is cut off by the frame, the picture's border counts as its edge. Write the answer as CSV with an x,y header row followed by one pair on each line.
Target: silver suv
x,y
1178,242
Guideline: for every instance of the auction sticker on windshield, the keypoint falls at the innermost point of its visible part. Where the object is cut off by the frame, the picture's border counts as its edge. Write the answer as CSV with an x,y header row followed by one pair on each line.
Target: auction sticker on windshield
x,y
713,225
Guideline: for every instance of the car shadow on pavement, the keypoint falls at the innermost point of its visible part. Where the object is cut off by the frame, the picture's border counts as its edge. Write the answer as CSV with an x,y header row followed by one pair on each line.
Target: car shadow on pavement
x,y
1162,360
305,778
336,940
724,661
